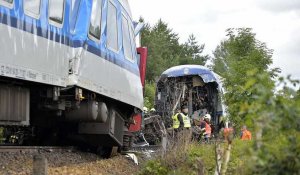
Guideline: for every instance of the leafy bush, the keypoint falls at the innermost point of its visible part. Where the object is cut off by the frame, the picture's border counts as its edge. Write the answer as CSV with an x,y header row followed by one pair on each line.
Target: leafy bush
x,y
149,94
186,157
200,159
251,98
154,167
177,159
279,156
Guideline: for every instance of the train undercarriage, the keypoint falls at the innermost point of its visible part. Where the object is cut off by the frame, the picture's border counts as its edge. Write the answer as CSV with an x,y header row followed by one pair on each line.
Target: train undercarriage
x,y
39,114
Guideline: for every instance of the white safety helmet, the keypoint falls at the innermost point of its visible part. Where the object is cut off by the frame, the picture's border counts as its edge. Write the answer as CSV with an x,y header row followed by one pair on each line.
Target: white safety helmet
x,y
145,109
152,110
207,116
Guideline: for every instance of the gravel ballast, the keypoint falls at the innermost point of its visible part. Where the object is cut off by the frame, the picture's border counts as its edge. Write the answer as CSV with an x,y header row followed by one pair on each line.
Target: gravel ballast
x,y
66,163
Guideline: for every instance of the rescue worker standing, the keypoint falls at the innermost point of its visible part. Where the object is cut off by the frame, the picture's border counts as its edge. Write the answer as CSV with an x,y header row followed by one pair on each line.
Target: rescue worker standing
x,y
228,131
245,134
182,125
181,120
207,133
199,128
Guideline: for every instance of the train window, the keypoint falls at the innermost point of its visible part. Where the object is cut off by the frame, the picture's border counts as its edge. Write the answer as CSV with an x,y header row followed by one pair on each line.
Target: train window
x,y
32,8
72,5
7,3
126,38
133,42
95,24
112,27
56,10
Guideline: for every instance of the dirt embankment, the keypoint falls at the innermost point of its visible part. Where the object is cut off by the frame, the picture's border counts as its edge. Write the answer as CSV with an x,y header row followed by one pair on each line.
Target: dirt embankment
x,y
70,163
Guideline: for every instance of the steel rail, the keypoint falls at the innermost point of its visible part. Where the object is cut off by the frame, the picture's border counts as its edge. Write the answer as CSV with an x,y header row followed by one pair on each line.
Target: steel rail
x,y
35,148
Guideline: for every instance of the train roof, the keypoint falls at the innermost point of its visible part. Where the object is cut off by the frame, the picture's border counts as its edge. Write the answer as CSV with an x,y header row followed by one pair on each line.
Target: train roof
x,y
186,70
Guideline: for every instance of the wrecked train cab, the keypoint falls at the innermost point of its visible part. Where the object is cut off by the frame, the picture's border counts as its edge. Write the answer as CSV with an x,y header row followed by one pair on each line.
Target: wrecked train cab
x,y
192,85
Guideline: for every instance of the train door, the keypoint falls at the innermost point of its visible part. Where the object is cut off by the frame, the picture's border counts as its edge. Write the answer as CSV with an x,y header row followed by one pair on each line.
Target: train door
x,y
58,33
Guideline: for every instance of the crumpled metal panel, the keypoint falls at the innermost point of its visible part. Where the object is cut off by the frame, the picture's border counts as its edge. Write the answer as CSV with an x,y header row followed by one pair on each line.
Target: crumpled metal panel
x,y
185,70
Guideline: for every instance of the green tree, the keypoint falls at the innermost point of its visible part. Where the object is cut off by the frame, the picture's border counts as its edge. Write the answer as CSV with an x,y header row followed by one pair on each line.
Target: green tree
x,y
163,48
277,127
274,117
237,56
165,51
192,52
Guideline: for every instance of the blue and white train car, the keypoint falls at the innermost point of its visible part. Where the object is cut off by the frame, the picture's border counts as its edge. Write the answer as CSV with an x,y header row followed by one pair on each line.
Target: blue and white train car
x,y
68,64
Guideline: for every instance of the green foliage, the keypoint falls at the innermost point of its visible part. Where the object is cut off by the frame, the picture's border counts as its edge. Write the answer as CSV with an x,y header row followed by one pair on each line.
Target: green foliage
x,y
201,158
273,117
154,167
280,155
277,148
191,52
165,51
178,162
237,59
177,159
206,153
250,95
239,159
149,94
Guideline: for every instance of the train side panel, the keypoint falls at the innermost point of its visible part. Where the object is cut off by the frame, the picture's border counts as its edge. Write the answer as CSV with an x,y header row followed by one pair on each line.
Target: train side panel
x,y
31,48
39,49
102,69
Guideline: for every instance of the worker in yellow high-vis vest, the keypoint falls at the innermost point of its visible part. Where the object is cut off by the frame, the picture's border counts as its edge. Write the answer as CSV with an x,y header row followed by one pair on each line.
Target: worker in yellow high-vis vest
x,y
181,119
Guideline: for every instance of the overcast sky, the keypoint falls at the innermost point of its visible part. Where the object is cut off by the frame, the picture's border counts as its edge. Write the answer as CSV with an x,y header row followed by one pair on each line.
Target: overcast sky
x,y
276,22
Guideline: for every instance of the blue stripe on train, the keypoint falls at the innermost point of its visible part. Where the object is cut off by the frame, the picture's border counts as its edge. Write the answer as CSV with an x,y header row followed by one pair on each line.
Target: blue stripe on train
x,y
54,36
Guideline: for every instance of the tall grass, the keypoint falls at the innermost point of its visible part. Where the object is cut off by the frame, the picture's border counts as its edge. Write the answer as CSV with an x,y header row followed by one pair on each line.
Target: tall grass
x,y
187,157
176,160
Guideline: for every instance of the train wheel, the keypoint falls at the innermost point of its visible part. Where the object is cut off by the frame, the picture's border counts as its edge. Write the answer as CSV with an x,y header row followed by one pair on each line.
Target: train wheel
x,y
106,151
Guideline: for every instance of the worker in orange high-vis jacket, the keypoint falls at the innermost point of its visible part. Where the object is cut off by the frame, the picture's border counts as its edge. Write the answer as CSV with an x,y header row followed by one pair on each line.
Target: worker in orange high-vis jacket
x,y
207,133
228,131
245,134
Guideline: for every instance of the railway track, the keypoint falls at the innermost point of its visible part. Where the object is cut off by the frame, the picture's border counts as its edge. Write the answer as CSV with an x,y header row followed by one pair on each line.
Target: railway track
x,y
36,149
31,149
143,149
150,147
